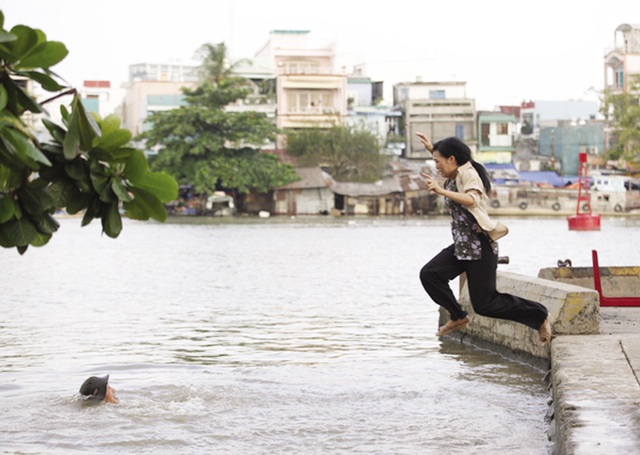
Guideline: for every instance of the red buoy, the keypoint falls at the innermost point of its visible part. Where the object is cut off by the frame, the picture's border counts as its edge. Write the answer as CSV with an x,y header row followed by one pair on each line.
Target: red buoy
x,y
583,220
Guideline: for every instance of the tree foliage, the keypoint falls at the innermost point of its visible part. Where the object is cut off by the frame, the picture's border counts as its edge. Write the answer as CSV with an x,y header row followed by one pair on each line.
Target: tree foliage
x,y
203,144
622,110
350,154
87,165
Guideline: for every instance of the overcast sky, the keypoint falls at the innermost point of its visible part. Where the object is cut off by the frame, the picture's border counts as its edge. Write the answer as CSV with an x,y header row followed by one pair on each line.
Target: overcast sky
x,y
507,51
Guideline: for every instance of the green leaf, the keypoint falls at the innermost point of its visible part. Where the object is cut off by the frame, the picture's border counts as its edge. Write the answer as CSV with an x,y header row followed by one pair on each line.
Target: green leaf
x,y
162,185
114,139
13,161
7,208
136,166
46,224
44,55
19,232
25,147
110,124
121,191
46,81
111,220
6,37
35,200
135,211
62,191
102,186
87,126
64,113
94,210
57,132
78,202
40,240
26,39
22,100
76,169
149,203
71,142
4,97
9,177
122,153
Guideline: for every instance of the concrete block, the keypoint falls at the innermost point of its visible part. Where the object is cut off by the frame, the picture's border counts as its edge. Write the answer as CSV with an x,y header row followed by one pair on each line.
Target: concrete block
x,y
595,395
616,281
572,310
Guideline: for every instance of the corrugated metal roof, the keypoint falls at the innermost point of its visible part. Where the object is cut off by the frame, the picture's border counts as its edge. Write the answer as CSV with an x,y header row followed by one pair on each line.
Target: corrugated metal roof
x,y
310,177
380,188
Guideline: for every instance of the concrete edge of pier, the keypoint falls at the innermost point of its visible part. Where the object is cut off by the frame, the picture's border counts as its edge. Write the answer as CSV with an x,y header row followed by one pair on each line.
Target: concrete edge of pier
x,y
593,359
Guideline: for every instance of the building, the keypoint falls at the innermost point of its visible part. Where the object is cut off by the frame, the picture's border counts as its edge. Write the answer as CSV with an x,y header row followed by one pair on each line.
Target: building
x,y
549,113
311,195
496,132
145,97
310,93
163,72
565,142
100,97
622,62
154,87
438,109
621,67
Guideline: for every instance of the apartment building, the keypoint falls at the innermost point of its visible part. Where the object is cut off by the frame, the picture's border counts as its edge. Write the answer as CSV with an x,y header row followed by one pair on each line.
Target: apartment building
x,y
438,109
154,87
310,92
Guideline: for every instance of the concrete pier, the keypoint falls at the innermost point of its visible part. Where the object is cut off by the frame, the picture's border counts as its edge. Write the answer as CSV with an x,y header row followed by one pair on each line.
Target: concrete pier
x,y
594,357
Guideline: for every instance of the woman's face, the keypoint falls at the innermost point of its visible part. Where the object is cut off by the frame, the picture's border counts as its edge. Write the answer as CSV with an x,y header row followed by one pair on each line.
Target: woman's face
x,y
446,166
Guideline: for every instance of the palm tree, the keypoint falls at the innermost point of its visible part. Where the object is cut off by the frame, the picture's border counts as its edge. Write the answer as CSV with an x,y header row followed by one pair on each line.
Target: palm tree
x,y
215,65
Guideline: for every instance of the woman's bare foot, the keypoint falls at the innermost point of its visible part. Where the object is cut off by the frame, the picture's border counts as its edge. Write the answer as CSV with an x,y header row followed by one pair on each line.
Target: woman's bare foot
x,y
545,332
452,326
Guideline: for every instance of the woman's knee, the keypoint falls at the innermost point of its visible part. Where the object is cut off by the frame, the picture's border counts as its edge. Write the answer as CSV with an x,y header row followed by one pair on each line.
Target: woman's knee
x,y
427,274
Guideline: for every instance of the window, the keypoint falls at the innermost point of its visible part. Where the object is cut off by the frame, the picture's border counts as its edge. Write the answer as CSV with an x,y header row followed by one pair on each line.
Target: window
x,y
485,130
502,128
309,101
436,94
301,67
620,79
460,132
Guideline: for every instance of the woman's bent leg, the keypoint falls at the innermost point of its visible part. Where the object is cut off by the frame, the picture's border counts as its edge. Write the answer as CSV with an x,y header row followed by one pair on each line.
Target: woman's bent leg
x,y
435,277
487,301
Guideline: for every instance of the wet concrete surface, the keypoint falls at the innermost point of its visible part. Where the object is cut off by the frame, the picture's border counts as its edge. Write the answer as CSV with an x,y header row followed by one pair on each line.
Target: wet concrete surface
x,y
596,387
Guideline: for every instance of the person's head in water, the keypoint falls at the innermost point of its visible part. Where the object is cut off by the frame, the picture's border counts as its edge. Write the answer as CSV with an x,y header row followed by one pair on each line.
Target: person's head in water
x,y
97,390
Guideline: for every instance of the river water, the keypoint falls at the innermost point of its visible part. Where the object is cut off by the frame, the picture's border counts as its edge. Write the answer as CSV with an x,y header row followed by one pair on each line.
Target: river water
x,y
265,337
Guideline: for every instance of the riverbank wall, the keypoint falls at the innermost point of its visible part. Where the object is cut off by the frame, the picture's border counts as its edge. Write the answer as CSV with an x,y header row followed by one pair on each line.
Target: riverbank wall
x,y
593,359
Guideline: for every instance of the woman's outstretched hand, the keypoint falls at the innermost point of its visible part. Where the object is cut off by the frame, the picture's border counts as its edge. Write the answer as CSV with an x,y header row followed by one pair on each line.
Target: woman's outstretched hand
x,y
432,185
425,140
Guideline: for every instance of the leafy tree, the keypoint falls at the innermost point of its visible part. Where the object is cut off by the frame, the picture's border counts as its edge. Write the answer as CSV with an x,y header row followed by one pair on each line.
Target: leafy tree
x,y
211,148
350,154
87,164
622,110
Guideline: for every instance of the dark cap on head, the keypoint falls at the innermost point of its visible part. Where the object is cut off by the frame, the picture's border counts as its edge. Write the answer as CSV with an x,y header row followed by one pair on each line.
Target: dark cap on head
x,y
95,388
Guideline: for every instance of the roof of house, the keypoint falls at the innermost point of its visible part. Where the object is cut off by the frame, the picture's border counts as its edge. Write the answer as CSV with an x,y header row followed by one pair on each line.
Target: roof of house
x,y
379,188
310,177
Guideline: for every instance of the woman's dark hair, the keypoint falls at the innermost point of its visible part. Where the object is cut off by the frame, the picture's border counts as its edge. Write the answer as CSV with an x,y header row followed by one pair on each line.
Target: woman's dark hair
x,y
452,146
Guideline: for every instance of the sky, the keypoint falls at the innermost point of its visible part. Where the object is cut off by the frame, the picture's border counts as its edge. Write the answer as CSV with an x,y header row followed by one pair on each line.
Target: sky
x,y
506,51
